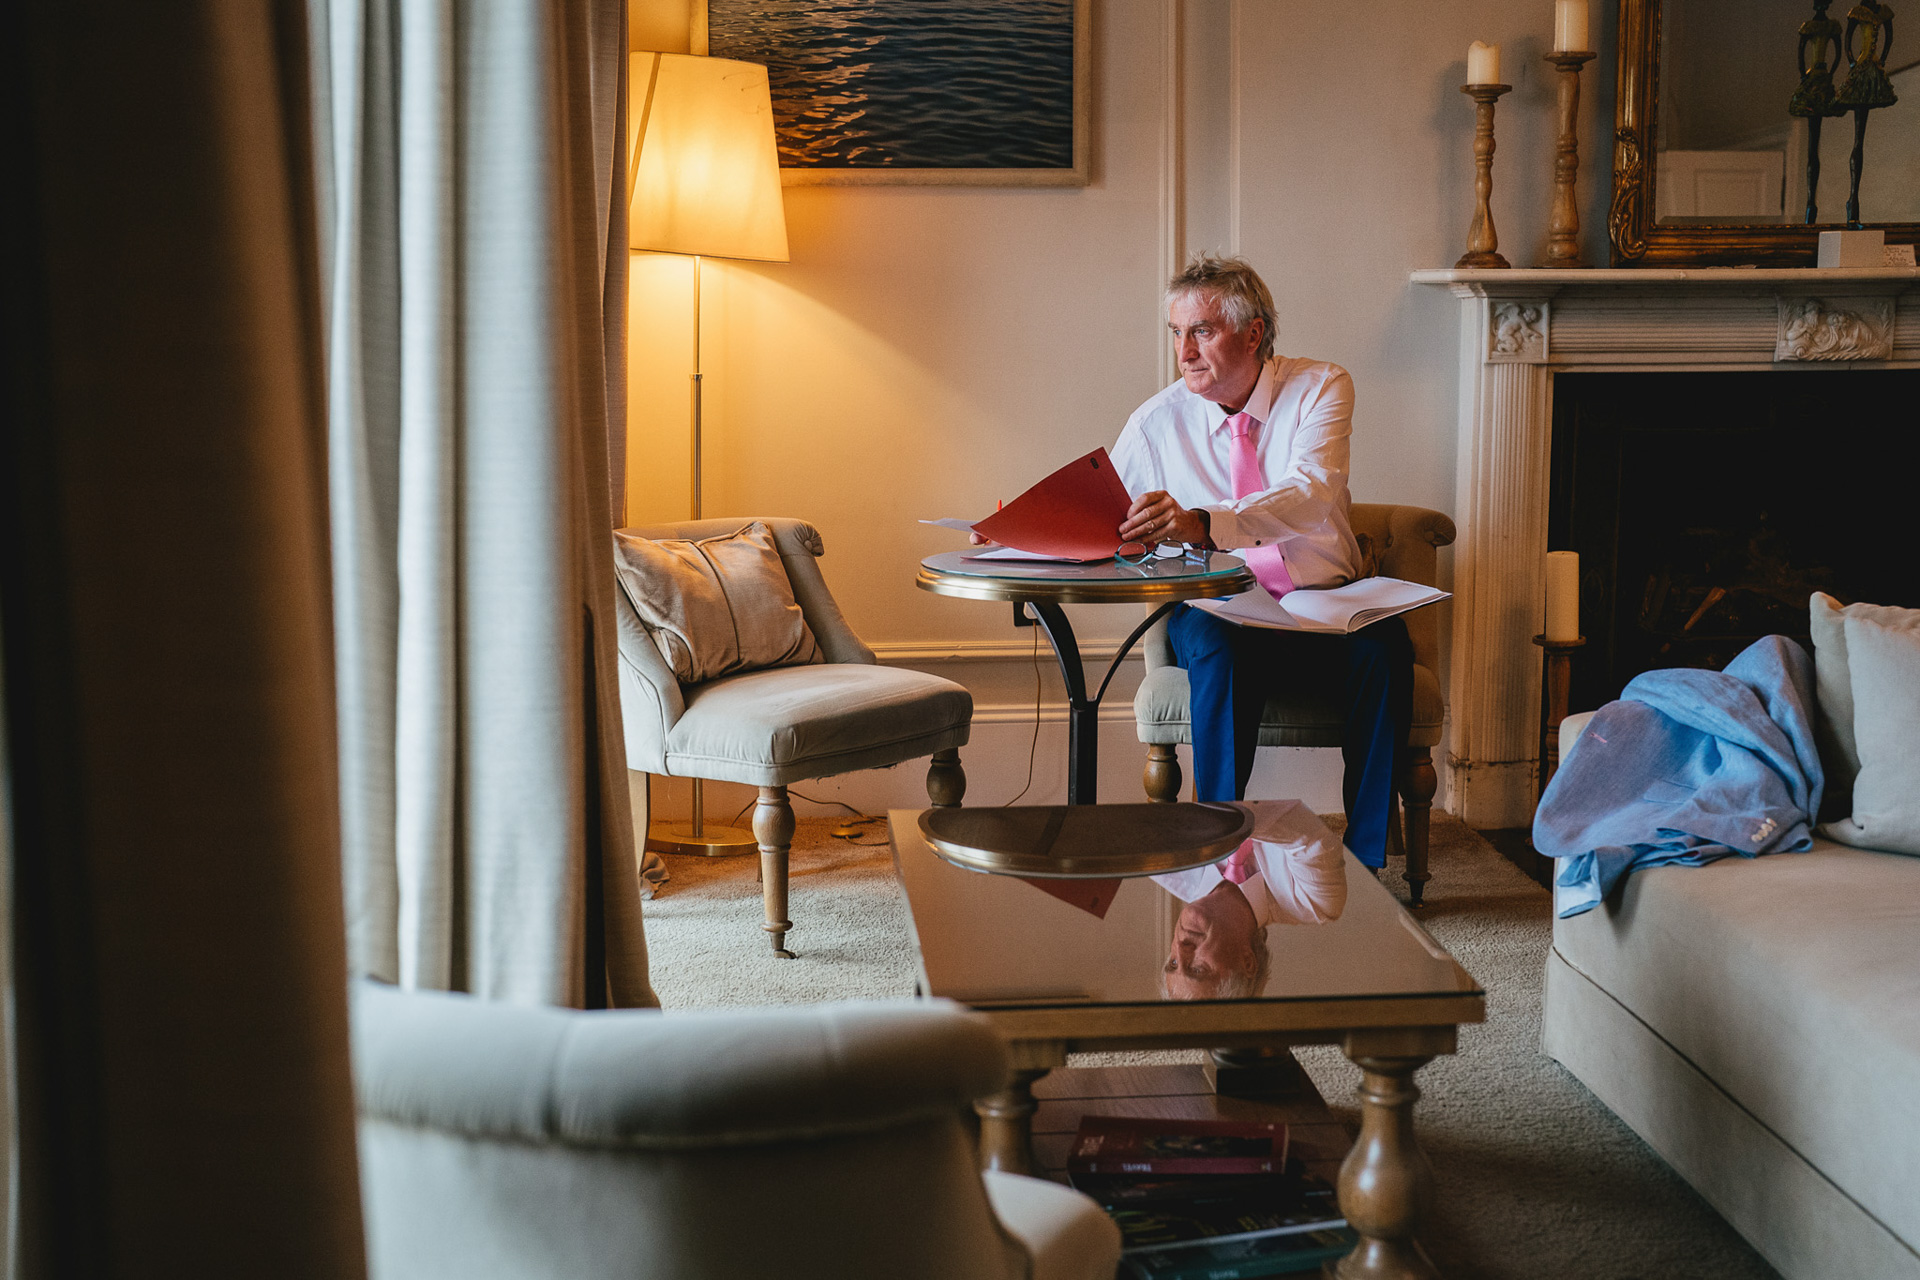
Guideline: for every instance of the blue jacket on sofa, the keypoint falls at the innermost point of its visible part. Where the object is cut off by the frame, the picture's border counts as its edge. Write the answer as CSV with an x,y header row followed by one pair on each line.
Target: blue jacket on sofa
x,y
1687,767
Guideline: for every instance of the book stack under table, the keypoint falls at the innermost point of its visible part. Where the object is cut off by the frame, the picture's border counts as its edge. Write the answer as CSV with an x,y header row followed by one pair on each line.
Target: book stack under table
x,y
1207,1200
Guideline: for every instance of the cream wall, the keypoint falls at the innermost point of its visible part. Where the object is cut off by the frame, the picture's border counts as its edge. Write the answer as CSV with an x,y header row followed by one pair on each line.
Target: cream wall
x,y
929,349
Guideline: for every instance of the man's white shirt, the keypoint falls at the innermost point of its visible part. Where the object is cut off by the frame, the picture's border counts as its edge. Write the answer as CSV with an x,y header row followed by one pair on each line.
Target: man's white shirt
x,y
1179,442
1302,875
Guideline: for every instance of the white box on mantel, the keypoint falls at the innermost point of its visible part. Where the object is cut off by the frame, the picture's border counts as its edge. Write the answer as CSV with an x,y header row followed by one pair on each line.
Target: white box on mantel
x,y
1853,249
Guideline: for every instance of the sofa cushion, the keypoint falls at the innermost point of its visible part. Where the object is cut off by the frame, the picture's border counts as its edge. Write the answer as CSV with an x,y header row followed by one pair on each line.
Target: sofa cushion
x,y
1793,982
792,723
715,606
1883,660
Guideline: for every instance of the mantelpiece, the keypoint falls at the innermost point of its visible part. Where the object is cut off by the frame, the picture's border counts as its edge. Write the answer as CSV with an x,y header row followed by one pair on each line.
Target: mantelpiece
x,y
1517,328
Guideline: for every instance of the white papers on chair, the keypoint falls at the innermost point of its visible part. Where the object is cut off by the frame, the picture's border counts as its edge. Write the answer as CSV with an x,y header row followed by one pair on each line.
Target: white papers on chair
x,y
1335,609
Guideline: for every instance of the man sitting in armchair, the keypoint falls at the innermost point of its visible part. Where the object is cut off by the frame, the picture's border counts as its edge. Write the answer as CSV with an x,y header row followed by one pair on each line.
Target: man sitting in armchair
x,y
1248,453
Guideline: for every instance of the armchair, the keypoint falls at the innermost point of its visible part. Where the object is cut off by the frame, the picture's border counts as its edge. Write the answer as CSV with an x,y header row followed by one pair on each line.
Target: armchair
x,y
1406,541
781,725
500,1142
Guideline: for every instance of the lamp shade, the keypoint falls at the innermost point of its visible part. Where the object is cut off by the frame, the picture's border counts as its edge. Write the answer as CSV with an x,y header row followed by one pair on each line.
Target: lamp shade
x,y
705,171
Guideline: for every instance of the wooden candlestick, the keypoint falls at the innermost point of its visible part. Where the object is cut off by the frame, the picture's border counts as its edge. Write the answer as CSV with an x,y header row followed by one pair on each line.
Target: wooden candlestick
x,y
1481,238
1563,234
1559,684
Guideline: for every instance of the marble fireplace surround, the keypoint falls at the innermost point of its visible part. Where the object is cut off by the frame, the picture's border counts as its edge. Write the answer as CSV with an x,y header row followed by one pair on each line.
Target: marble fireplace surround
x,y
1517,327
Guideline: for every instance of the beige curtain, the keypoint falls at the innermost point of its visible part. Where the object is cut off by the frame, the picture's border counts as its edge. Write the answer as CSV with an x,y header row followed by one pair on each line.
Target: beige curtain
x,y
468,156
185,1105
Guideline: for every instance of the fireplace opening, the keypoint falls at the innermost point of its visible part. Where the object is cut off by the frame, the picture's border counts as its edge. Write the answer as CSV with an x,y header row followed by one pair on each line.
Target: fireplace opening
x,y
1707,507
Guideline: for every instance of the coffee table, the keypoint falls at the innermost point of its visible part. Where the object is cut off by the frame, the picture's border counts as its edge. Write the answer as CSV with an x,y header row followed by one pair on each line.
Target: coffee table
x,y
1043,587
1055,980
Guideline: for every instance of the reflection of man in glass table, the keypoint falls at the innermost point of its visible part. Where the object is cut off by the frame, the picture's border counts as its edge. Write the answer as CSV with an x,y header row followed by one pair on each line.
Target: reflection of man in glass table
x,y
1354,969
1292,872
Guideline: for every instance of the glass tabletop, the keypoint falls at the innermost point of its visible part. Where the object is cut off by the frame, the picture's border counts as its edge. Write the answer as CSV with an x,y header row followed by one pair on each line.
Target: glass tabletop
x,y
1311,923
1196,567
1159,579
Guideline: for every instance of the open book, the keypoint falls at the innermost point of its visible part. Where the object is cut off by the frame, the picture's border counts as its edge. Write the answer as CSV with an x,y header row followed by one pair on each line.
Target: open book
x,y
1335,609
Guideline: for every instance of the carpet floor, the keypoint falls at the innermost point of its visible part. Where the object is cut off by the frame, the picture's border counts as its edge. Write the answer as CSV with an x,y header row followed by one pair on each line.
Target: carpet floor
x,y
1535,1177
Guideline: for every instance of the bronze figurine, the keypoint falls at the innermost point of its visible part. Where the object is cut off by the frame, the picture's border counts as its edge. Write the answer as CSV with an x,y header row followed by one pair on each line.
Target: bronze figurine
x,y
1866,86
1813,101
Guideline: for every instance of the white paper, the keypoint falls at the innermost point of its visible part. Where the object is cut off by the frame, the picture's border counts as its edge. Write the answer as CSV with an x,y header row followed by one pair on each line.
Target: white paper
x,y
952,522
1336,609
1014,553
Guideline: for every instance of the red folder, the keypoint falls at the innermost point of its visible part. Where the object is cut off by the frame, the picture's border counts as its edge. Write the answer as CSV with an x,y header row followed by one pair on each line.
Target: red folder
x,y
1075,513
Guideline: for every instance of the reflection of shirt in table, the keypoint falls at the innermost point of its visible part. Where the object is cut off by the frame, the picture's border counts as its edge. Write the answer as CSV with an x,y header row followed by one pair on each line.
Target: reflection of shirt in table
x,y
1302,875
1180,442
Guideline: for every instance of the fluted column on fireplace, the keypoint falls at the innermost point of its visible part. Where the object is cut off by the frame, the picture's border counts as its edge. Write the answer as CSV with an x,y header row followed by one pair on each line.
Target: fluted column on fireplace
x,y
1501,510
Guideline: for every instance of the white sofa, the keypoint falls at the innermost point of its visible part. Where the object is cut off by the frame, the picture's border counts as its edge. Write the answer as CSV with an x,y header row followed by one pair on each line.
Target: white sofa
x,y
1757,1021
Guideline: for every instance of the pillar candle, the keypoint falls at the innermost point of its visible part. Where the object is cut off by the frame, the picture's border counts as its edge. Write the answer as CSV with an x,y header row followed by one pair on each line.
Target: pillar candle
x,y
1563,595
1483,63
1570,26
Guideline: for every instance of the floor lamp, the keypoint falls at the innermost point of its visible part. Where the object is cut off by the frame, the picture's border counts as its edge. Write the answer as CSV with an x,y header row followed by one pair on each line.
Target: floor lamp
x,y
705,181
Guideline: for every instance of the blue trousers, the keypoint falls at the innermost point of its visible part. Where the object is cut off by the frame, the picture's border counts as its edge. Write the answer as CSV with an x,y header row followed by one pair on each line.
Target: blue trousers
x,y
1231,672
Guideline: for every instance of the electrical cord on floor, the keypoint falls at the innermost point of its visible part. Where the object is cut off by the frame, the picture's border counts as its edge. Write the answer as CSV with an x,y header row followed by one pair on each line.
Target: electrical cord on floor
x,y
1035,741
847,830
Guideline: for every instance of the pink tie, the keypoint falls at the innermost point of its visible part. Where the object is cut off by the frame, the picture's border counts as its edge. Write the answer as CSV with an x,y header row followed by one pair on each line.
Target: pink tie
x,y
1269,568
1240,866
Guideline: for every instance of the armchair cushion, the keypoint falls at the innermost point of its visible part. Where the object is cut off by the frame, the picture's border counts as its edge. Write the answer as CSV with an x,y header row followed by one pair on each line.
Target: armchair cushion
x,y
717,605
664,1082
1311,716
770,728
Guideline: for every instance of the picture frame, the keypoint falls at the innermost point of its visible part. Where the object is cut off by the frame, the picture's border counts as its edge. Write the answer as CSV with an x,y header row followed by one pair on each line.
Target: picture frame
x,y
1635,236
1073,174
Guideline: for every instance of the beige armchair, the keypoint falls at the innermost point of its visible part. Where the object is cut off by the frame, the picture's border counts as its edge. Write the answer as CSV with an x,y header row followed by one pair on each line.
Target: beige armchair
x,y
1405,542
824,1142
774,727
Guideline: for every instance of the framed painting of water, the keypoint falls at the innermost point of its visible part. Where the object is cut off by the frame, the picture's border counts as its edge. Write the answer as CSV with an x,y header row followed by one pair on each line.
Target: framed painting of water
x,y
873,92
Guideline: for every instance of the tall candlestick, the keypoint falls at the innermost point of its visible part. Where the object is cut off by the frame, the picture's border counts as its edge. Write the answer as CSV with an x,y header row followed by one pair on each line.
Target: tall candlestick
x,y
1570,26
1563,228
1563,595
1482,239
1483,63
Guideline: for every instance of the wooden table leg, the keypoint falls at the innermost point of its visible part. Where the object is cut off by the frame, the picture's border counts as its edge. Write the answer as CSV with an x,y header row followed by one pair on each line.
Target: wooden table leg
x,y
1006,1124
1386,1183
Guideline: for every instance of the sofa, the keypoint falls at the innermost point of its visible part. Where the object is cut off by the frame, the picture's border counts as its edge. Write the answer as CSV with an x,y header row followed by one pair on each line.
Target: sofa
x,y
1757,1022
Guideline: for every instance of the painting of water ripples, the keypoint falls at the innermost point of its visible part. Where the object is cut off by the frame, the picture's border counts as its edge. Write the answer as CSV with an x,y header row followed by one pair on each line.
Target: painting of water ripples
x,y
916,90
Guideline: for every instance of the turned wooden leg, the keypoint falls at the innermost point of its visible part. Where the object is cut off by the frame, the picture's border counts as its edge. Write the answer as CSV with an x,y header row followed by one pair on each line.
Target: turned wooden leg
x,y
1162,777
773,829
946,780
1421,783
1386,1183
1006,1124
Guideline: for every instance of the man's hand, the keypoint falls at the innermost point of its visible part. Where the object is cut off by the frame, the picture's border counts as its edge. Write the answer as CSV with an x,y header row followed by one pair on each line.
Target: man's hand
x,y
1156,517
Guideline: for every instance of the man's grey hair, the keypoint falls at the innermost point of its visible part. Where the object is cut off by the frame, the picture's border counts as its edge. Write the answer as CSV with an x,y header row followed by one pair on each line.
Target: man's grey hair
x,y
1235,984
1236,287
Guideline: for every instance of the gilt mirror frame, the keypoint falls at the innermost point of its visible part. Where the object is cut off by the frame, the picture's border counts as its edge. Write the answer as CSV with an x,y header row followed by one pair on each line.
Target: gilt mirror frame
x,y
1635,238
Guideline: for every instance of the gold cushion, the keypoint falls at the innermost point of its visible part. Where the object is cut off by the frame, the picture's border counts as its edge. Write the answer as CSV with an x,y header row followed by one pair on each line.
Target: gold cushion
x,y
716,606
